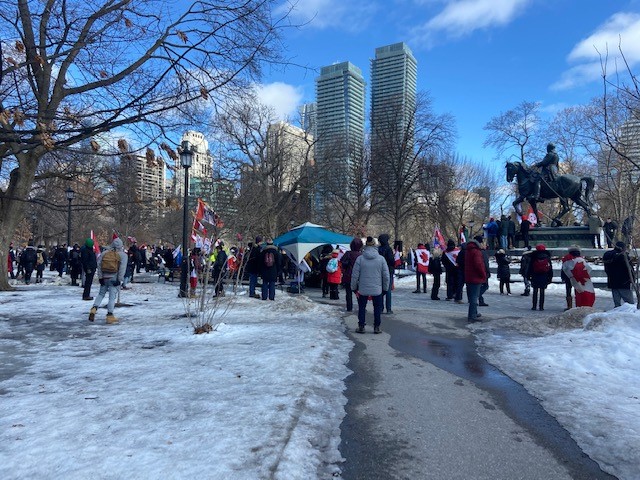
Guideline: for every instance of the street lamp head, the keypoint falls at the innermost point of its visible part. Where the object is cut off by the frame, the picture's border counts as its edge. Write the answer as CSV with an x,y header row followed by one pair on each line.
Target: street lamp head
x,y
71,194
186,154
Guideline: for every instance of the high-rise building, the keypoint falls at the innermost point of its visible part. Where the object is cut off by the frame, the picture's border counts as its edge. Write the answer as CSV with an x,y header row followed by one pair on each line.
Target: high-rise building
x,y
394,73
289,152
150,175
201,170
340,110
309,118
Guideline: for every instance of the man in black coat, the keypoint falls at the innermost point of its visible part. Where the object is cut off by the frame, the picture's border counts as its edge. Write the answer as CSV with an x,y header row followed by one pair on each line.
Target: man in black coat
x,y
253,265
89,265
270,266
387,252
619,274
451,269
610,227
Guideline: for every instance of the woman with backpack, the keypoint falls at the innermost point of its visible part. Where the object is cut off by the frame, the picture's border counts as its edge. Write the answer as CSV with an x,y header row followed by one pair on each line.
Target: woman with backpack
x,y
334,275
540,274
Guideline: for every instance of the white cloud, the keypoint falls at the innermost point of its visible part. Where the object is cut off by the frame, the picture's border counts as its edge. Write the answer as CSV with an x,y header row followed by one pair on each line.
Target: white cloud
x,y
620,31
283,98
352,15
460,18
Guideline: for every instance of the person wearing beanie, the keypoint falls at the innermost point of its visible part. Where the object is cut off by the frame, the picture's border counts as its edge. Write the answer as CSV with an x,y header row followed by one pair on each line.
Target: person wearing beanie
x,y
540,274
347,261
111,267
89,265
370,278
421,257
578,271
387,253
450,264
620,279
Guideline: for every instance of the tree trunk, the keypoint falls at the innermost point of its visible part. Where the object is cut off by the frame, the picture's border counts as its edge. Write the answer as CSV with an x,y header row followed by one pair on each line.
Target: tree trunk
x,y
12,206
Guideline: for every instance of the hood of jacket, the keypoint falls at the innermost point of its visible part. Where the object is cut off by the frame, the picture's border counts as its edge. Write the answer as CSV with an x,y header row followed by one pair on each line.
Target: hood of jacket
x,y
472,245
370,253
384,239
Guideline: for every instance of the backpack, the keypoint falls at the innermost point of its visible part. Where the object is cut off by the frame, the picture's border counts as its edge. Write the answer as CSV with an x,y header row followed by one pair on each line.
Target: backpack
x,y
332,265
269,259
110,262
40,259
541,265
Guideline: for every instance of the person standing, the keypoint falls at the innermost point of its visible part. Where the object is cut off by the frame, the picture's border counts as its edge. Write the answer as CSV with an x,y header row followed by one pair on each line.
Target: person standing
x,y
270,267
579,272
11,258
325,256
28,261
435,268
595,229
253,266
540,274
60,258
41,262
370,278
75,264
504,232
89,265
387,253
492,233
504,272
511,235
610,228
568,289
525,225
347,261
219,270
111,267
475,276
525,260
450,264
617,266
421,264
334,275
485,259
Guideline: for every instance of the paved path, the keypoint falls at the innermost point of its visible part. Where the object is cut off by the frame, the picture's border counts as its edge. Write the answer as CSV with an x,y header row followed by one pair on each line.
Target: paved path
x,y
423,405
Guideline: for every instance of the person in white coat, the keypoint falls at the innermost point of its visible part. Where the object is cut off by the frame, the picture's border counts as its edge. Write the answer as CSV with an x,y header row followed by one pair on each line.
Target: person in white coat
x,y
370,278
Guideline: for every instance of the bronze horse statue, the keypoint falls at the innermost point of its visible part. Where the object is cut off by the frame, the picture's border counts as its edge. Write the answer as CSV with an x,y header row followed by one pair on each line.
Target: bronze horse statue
x,y
564,187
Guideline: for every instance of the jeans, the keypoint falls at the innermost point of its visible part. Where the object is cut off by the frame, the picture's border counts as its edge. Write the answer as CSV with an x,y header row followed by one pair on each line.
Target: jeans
x,y
362,309
483,288
503,242
113,293
88,280
268,289
435,288
625,294
253,281
473,292
387,298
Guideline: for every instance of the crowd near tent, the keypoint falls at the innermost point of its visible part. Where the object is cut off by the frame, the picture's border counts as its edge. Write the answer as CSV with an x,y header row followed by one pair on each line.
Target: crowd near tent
x,y
302,239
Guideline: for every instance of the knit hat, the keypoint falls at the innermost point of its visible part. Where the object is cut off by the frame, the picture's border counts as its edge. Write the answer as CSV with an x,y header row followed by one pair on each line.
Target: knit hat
x,y
88,243
574,249
451,243
356,244
620,245
540,247
258,239
370,242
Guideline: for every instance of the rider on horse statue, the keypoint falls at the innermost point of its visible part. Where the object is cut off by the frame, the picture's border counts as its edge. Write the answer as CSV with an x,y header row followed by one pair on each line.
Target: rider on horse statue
x,y
548,170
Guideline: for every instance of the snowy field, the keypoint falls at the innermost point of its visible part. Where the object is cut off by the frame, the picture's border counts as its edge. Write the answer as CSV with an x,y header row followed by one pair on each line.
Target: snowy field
x,y
262,397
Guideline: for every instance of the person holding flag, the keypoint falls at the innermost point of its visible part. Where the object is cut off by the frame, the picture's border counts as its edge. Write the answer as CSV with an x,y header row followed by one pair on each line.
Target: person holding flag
x,y
421,257
449,261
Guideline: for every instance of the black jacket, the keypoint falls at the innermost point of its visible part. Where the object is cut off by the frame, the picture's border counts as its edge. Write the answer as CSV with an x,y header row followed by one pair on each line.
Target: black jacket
x,y
615,266
504,273
270,274
435,266
88,259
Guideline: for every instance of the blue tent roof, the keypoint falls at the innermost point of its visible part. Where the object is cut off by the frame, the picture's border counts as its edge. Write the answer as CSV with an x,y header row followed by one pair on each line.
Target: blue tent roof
x,y
302,239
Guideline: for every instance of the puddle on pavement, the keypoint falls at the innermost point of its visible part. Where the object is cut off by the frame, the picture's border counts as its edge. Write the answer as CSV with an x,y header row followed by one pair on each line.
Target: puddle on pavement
x,y
459,357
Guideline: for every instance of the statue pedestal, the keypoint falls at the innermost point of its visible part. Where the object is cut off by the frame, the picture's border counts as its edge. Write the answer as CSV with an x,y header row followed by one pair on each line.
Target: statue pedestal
x,y
559,237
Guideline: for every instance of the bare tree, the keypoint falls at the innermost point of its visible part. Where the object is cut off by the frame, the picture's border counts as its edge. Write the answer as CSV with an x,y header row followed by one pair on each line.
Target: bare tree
x,y
514,129
71,70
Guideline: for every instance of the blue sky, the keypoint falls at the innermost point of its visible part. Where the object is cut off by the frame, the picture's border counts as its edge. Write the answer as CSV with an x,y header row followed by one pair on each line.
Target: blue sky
x,y
477,58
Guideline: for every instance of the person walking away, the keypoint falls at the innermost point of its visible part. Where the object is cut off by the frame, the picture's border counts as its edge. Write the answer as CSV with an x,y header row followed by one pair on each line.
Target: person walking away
x,y
568,288
421,264
540,274
270,266
450,264
525,261
334,275
610,227
75,265
89,264
253,266
129,270
485,258
370,278
387,253
28,261
475,275
41,262
579,272
620,277
219,270
347,261
60,258
504,272
111,267
435,268
525,226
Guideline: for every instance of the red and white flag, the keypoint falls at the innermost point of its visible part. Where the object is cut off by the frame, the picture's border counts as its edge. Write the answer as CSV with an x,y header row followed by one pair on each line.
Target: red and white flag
x,y
438,239
453,256
422,257
96,247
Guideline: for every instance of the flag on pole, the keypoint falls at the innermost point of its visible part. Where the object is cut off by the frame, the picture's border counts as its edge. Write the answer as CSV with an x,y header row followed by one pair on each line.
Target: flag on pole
x,y
177,255
205,213
96,247
438,239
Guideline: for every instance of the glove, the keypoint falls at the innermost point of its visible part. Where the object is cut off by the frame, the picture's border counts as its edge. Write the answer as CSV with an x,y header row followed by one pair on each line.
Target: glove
x,y
116,283
101,281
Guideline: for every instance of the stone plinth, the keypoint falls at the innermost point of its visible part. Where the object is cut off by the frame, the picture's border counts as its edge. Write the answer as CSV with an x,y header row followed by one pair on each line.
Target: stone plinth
x,y
559,237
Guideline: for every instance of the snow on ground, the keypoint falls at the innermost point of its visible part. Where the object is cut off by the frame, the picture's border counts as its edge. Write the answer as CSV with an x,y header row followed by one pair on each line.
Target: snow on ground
x,y
261,397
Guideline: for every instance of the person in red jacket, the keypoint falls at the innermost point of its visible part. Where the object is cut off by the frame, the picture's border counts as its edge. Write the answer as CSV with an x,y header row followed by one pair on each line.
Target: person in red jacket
x,y
475,275
334,275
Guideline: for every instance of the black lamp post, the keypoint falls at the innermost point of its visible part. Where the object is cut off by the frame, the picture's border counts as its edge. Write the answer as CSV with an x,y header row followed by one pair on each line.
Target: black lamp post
x,y
186,156
71,194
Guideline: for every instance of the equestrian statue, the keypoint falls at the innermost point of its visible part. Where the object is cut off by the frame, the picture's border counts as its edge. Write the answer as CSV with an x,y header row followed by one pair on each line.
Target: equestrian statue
x,y
541,182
